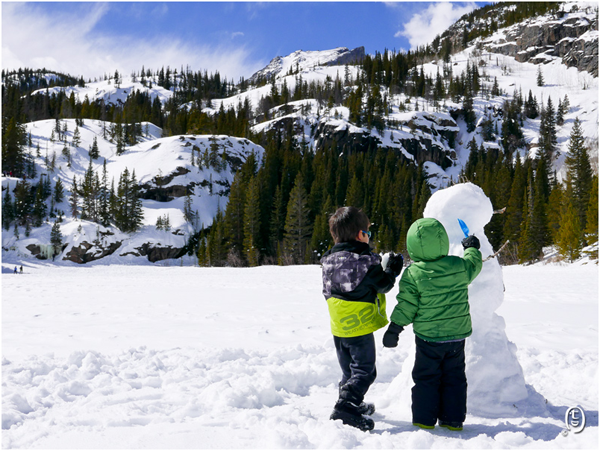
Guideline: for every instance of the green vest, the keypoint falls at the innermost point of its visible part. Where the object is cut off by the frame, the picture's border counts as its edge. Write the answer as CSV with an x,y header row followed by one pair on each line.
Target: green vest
x,y
353,319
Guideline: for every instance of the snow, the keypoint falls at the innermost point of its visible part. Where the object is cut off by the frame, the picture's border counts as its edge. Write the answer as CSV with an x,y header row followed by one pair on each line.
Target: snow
x,y
169,357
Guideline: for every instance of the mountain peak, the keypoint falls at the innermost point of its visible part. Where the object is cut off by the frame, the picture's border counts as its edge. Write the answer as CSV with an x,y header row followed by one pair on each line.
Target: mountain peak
x,y
302,60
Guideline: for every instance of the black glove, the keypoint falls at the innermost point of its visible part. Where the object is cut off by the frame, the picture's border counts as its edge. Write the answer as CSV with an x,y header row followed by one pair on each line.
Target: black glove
x,y
395,263
390,337
470,241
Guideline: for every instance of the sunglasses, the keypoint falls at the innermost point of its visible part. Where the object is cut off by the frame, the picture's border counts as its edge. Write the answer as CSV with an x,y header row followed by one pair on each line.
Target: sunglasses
x,y
366,233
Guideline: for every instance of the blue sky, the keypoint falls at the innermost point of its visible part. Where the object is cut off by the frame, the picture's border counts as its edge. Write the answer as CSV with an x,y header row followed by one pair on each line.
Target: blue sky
x,y
236,38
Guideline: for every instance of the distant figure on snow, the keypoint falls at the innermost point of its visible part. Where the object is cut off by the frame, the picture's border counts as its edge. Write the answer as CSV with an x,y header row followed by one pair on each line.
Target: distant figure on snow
x,y
434,297
21,269
16,270
354,283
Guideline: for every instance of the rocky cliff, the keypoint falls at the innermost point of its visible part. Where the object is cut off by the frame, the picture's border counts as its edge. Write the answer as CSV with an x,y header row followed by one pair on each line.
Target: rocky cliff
x,y
573,37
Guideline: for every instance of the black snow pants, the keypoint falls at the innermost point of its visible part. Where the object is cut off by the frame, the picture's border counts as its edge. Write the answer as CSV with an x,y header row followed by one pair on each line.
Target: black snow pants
x,y
356,356
440,390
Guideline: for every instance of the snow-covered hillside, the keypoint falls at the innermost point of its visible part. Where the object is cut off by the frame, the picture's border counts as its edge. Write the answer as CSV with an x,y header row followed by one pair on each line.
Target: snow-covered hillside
x,y
110,92
306,61
512,76
161,165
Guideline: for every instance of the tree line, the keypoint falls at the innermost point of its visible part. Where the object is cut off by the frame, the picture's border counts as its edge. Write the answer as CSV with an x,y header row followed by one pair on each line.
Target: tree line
x,y
278,211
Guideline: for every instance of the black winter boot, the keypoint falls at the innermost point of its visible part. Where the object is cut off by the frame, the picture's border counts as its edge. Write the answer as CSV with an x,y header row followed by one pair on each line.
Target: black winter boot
x,y
350,415
364,408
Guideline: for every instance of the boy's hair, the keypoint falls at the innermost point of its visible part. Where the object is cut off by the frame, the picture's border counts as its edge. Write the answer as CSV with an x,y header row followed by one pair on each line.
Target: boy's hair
x,y
346,222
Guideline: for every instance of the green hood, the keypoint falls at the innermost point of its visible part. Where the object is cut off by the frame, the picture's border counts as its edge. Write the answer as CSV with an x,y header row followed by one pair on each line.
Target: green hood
x,y
427,240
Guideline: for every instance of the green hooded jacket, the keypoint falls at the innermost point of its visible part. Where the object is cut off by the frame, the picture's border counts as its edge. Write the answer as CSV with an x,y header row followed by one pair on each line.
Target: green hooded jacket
x,y
434,289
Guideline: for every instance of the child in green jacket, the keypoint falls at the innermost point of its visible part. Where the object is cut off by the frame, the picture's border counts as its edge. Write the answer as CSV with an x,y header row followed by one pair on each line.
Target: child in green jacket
x,y
353,285
433,297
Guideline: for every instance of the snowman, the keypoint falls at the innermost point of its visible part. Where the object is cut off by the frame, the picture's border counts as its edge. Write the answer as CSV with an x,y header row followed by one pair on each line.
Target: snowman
x,y
496,385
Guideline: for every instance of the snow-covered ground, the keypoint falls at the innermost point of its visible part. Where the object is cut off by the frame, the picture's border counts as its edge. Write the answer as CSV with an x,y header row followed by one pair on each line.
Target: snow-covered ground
x,y
185,357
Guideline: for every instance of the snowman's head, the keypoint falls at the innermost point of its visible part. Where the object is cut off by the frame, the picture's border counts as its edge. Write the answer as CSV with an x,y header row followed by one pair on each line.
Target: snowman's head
x,y
464,201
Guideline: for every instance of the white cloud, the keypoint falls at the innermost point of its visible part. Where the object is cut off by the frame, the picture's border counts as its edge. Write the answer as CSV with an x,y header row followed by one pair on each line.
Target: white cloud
x,y
424,26
68,42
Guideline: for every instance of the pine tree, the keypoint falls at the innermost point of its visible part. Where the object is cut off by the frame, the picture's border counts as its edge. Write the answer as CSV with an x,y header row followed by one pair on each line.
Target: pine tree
x,y
76,140
540,76
591,228
252,223
560,115
579,171
555,211
39,207
321,238
203,258
234,214
298,229
94,152
534,233
136,215
74,200
124,202
547,134
570,234
355,193
277,221
531,107
56,239
14,138
468,112
188,212
23,202
89,195
104,201
8,209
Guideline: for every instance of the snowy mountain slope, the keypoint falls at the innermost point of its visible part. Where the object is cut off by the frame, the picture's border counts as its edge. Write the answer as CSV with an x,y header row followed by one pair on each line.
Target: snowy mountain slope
x,y
254,95
109,92
512,76
306,61
160,164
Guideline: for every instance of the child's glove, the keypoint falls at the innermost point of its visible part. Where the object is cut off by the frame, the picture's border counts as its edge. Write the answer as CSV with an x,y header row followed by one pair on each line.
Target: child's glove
x,y
390,337
470,241
395,263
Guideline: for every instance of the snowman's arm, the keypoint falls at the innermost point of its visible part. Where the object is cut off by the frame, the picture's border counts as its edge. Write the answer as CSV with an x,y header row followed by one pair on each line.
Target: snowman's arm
x,y
408,301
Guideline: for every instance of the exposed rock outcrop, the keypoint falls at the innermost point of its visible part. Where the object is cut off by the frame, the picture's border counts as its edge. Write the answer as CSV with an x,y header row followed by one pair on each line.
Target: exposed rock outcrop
x,y
87,252
155,252
573,39
161,191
